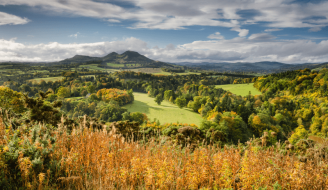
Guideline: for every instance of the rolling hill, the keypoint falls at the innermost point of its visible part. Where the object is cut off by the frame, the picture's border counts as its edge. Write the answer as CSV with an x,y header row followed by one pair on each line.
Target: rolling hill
x,y
128,57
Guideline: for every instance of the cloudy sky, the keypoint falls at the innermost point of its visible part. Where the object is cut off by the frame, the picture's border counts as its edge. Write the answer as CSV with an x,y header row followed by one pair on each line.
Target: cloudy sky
x,y
289,31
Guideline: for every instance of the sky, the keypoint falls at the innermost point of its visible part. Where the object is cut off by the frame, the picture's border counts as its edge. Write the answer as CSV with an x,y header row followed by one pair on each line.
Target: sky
x,y
288,31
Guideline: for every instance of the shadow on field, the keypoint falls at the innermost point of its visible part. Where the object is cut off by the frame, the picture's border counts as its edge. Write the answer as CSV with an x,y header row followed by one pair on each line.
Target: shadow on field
x,y
168,106
138,106
156,108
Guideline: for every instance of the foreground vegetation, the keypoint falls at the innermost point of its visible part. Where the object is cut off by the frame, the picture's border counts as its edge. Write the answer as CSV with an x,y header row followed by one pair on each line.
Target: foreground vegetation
x,y
38,157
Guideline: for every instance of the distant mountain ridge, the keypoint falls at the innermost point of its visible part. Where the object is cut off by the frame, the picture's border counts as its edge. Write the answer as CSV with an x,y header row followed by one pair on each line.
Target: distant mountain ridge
x,y
128,57
137,60
244,66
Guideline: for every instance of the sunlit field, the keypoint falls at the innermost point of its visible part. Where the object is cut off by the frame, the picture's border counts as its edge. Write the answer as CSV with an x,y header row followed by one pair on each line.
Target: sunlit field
x,y
165,113
240,89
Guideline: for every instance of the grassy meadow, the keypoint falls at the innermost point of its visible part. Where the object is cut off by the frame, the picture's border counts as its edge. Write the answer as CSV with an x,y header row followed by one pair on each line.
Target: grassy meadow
x,y
240,89
165,113
168,73
47,79
94,67
122,65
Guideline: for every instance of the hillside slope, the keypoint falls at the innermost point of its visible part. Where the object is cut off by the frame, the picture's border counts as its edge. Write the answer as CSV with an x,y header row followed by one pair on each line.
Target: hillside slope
x,y
128,57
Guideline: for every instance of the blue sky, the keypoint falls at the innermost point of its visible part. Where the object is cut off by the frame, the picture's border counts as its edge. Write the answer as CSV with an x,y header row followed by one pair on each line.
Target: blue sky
x,y
288,31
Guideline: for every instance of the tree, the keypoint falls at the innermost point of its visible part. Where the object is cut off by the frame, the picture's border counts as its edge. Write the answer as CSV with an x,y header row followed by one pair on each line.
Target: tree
x,y
168,94
25,88
110,112
93,97
10,99
159,99
91,89
63,92
126,116
181,102
300,133
41,112
138,117
84,93
196,104
52,97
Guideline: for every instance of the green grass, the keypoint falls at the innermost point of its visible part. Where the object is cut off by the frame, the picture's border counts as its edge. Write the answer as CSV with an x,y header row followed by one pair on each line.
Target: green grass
x,y
94,67
240,89
1,66
168,73
165,113
47,79
41,71
122,65
115,65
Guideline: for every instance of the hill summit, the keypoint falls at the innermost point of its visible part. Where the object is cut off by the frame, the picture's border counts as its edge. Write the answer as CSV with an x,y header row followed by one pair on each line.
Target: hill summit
x,y
128,57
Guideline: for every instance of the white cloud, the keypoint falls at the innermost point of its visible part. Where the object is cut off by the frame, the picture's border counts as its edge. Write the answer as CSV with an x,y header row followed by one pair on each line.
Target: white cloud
x,y
216,35
75,35
315,29
258,47
273,30
10,50
179,14
242,32
261,37
6,18
113,20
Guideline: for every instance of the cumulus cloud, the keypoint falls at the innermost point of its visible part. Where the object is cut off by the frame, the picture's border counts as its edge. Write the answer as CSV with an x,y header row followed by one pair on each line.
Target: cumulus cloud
x,y
216,35
238,49
242,32
6,18
177,14
10,50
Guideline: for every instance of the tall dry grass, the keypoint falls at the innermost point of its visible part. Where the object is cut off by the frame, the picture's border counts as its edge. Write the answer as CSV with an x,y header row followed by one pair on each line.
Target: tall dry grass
x,y
101,160
104,161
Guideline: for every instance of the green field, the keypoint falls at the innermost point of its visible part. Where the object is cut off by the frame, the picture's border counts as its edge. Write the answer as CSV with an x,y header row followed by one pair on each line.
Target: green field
x,y
240,89
159,71
122,65
115,65
94,67
168,73
47,79
165,113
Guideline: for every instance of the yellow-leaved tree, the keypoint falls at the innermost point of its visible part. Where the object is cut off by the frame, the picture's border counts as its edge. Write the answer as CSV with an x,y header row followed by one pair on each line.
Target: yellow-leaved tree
x,y
63,92
10,99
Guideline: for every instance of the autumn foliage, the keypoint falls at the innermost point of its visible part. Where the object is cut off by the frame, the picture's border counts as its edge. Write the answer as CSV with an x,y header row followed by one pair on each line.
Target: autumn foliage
x,y
121,96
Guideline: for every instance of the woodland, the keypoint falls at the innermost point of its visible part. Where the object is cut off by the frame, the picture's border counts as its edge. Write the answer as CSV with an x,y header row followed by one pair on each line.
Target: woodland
x,y
75,133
